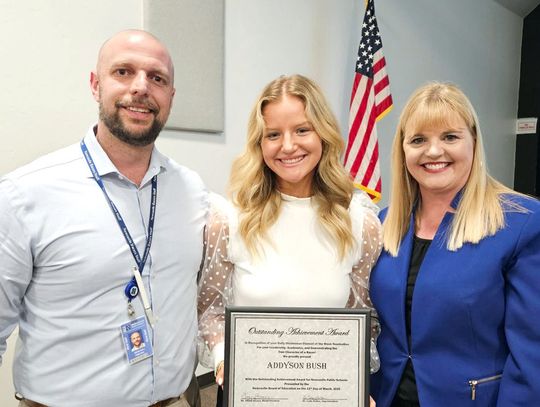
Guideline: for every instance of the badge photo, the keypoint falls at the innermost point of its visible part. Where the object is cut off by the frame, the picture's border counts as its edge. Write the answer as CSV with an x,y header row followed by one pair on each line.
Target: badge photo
x,y
136,340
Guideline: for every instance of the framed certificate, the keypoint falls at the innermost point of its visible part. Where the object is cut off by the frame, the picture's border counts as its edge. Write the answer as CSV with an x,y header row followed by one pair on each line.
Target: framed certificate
x,y
290,357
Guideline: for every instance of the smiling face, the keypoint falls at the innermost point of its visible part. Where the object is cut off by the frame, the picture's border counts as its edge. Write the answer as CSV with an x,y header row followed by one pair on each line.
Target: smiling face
x,y
136,339
439,156
290,146
133,85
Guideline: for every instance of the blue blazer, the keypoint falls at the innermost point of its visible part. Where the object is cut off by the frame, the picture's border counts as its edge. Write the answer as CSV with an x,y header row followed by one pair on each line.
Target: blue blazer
x,y
475,318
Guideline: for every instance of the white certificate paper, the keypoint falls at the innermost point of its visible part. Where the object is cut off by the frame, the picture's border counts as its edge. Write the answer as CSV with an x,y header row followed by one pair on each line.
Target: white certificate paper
x,y
297,357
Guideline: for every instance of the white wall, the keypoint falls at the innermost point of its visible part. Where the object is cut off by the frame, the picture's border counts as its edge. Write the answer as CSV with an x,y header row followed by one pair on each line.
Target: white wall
x,y
49,47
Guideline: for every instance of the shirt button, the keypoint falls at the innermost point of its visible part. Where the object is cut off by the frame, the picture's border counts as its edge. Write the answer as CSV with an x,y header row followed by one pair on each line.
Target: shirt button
x,y
157,362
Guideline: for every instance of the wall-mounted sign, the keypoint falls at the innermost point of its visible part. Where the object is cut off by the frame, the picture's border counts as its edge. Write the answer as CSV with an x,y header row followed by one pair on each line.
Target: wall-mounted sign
x,y
526,125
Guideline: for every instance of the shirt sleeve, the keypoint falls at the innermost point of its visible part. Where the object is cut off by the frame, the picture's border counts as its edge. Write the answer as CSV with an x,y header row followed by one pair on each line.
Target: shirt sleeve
x,y
370,242
214,291
16,260
520,382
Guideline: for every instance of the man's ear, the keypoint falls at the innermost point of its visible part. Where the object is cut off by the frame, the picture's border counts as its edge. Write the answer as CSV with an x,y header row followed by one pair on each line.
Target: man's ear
x,y
172,96
94,85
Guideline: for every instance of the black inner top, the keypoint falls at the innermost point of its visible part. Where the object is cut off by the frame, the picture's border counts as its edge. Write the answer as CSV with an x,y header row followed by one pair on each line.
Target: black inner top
x,y
407,386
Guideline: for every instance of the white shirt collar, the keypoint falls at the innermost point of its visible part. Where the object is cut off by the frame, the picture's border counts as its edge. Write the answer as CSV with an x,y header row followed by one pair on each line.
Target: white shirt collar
x,y
104,166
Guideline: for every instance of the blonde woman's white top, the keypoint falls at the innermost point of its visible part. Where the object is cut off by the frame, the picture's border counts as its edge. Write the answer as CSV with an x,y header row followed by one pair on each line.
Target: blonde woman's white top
x,y
299,266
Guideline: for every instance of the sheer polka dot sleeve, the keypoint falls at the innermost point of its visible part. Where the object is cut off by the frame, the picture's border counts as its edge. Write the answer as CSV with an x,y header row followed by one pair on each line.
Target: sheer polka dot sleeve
x,y
214,288
370,244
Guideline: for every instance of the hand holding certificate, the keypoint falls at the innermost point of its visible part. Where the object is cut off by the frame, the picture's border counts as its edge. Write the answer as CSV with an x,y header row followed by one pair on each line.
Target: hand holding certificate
x,y
294,357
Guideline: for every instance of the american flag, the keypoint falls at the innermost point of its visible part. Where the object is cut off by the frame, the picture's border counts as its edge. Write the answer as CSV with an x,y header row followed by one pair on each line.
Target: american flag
x,y
370,101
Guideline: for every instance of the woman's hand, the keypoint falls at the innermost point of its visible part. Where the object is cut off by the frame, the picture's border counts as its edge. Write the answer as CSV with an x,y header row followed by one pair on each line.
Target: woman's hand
x,y
219,374
371,402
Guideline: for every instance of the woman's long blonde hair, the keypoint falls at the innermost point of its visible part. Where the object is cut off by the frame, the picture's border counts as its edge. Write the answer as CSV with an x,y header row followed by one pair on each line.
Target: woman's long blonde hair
x,y
253,185
480,211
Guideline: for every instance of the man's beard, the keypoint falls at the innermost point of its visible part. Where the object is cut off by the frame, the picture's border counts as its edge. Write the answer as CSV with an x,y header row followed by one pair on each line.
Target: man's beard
x,y
117,128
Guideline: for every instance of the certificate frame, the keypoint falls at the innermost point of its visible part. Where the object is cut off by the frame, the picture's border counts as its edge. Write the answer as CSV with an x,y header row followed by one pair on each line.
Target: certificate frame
x,y
310,356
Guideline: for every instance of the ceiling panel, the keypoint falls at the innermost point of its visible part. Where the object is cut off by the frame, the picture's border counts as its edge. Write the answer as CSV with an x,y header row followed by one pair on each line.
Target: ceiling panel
x,y
520,7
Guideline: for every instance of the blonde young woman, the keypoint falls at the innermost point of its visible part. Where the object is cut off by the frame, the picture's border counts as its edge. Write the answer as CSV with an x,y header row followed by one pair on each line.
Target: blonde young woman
x,y
457,287
295,234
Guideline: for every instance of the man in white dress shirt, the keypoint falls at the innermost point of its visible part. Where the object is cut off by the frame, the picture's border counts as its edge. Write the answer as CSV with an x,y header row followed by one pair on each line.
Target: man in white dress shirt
x,y
99,239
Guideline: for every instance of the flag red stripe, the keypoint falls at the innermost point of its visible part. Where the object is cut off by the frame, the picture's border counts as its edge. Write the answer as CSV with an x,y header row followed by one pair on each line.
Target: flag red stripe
x,y
384,105
380,64
354,87
362,108
355,125
373,160
365,141
378,186
383,83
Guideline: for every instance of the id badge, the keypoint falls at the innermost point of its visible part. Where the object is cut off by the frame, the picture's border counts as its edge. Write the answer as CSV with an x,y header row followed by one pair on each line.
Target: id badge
x,y
136,340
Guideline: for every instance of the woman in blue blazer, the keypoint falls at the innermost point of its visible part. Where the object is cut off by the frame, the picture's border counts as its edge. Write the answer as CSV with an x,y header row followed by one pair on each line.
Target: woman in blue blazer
x,y
457,287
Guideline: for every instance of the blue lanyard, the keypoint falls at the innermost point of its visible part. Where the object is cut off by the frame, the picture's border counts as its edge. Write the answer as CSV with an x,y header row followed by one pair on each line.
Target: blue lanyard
x,y
131,289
